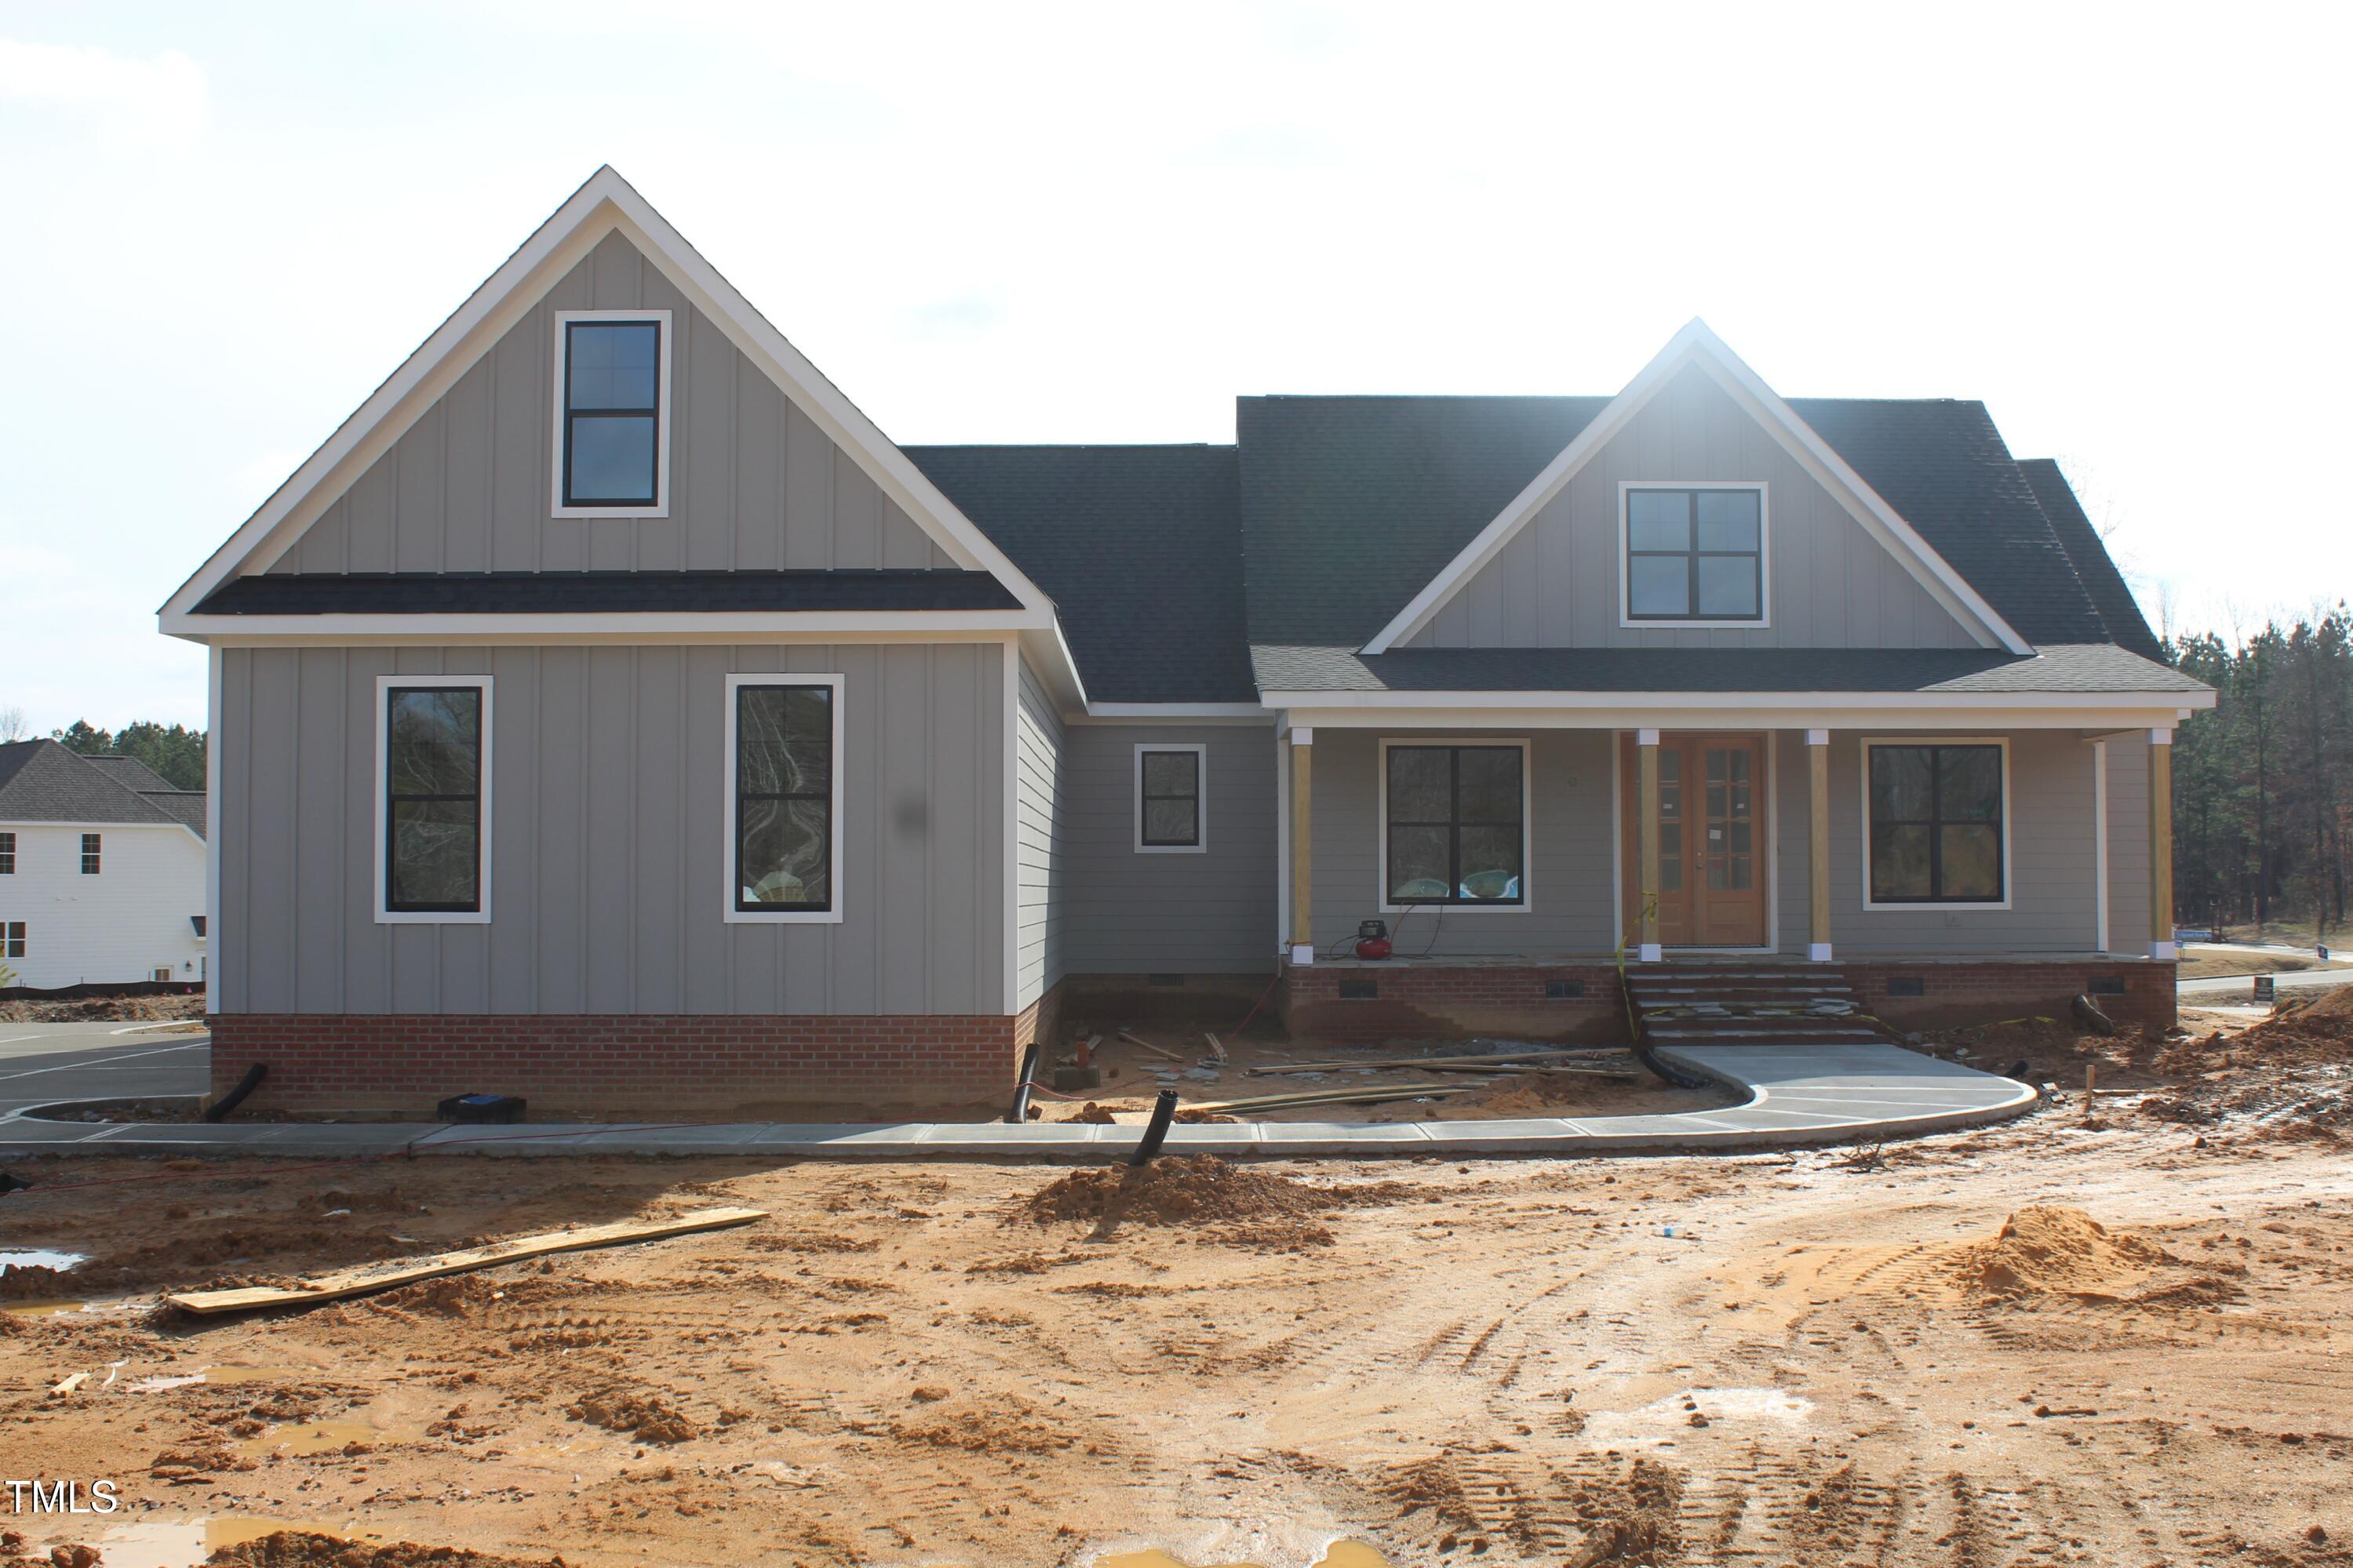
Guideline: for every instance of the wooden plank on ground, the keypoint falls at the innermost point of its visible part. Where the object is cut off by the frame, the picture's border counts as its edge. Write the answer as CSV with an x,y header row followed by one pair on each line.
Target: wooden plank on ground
x,y
1134,1039
373,1276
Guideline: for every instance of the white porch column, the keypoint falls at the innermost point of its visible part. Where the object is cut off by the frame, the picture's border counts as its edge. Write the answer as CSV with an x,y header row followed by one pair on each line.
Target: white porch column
x,y
1818,847
1302,827
1646,785
2161,846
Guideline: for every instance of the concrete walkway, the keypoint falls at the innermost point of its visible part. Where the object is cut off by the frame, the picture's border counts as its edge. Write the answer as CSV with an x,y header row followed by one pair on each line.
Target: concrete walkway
x,y
1797,1094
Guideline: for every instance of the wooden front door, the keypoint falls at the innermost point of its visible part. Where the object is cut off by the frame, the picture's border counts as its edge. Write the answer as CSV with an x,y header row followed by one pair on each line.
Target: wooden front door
x,y
1712,867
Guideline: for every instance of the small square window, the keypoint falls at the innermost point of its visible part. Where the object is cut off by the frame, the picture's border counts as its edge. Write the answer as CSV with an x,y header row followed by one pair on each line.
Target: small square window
x,y
1695,554
89,854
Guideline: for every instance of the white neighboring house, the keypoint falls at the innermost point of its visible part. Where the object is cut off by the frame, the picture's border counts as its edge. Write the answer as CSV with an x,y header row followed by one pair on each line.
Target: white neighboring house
x,y
101,870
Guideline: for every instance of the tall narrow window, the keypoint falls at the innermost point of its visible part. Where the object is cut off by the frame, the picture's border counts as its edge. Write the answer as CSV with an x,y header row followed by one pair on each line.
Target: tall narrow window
x,y
1936,824
91,846
7,854
1169,805
433,793
1457,827
612,413
12,939
1695,554
785,843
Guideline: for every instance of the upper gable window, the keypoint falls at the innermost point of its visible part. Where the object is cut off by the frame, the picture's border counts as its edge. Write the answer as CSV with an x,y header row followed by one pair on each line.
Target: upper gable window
x,y
612,413
1695,554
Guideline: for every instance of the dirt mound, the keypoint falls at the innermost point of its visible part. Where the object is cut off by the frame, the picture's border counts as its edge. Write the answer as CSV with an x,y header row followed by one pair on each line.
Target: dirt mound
x,y
307,1548
105,1010
1178,1190
2045,1252
34,1282
648,1417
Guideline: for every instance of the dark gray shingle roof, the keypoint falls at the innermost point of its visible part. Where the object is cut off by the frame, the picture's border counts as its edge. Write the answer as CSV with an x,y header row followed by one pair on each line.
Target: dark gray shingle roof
x,y
2110,595
1139,547
561,592
41,781
2064,668
129,773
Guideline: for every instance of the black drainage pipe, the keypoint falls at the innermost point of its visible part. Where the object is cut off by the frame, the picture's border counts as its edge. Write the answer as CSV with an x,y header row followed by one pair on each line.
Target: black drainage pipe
x,y
1164,1111
1020,1111
235,1097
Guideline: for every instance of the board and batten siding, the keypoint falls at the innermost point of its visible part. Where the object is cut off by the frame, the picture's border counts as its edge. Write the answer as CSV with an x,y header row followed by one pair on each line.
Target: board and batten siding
x,y
608,840
754,484
1135,913
117,927
1039,840
1556,583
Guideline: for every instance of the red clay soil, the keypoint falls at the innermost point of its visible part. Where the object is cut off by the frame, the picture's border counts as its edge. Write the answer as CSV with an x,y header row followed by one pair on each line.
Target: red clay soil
x,y
1180,1189
306,1548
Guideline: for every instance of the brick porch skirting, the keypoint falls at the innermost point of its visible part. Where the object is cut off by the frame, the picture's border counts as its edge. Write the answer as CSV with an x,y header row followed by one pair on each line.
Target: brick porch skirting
x,y
697,1067
1938,994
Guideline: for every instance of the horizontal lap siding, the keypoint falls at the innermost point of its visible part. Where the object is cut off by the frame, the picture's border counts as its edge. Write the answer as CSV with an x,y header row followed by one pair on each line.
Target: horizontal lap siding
x,y
119,926
1132,913
607,839
1039,840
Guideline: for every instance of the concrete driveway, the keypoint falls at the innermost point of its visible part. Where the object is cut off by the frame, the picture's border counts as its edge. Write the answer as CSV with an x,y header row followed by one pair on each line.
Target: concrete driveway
x,y
43,1063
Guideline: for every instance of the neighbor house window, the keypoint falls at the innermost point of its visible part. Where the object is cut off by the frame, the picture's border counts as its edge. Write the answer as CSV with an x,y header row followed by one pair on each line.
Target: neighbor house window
x,y
1170,807
612,413
1936,822
90,845
7,854
1695,554
1456,829
784,797
12,939
434,814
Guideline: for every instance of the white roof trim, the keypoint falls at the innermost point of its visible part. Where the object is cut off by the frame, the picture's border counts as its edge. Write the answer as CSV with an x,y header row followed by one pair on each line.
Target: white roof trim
x,y
1747,701
606,203
1696,344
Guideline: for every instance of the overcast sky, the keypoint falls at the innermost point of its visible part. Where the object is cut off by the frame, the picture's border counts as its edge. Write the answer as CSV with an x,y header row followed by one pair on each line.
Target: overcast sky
x,y
2124,230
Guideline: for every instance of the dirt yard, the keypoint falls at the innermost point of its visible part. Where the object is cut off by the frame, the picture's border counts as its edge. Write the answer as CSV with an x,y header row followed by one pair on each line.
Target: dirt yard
x,y
2125,1340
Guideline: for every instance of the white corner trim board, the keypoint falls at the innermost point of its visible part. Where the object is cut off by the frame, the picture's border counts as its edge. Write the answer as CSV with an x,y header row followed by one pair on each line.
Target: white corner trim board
x,y
730,880
484,819
558,424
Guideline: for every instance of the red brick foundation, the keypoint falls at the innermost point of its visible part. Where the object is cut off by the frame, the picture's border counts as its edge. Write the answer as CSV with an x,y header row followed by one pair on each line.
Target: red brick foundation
x,y
700,1067
1951,995
1454,1000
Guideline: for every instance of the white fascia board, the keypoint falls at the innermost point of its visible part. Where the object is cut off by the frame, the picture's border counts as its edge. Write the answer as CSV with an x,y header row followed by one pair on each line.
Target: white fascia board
x,y
1718,710
98,825
1696,342
1747,701
1173,713
1050,655
605,203
650,627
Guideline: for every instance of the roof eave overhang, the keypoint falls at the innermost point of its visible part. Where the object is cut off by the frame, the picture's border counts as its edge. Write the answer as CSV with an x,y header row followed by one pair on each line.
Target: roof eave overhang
x,y
655,626
1737,709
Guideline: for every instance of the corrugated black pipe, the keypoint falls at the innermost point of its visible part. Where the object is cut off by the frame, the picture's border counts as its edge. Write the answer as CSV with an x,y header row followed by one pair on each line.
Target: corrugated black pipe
x,y
1164,1111
235,1097
1020,1111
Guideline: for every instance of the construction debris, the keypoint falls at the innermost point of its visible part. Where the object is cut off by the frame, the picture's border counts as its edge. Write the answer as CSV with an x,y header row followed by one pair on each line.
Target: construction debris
x,y
1498,1062
1366,1094
370,1278
1134,1039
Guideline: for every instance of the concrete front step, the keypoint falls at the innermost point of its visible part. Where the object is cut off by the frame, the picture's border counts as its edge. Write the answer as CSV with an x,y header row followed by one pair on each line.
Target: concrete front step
x,y
1834,1033
1761,1005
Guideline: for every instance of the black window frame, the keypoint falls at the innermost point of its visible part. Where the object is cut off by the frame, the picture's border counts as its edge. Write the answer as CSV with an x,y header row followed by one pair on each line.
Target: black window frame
x,y
7,854
1935,821
1390,824
93,853
1144,797
653,412
826,794
12,939
1692,555
393,798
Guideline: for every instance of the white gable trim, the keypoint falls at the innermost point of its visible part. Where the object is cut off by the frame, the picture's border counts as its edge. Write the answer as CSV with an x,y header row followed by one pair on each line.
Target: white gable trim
x,y
1696,344
606,203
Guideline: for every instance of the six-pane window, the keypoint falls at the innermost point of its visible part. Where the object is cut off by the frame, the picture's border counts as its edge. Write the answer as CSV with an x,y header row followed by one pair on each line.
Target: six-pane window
x,y
612,413
1694,555
1456,821
784,798
433,799
7,854
1936,825
1171,800
90,853
12,939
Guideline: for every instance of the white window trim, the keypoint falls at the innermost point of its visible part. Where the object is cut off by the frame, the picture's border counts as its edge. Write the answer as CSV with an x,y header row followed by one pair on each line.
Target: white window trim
x,y
1201,800
728,884
1527,825
662,439
2008,822
1764,621
384,687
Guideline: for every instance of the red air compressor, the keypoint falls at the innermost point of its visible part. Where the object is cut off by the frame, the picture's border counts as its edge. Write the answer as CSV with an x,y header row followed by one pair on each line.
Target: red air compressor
x,y
1373,940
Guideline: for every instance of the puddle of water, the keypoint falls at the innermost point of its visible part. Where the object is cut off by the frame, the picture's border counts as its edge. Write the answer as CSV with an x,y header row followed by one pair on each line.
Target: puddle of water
x,y
1664,1420
186,1542
43,1309
298,1437
217,1374
38,1257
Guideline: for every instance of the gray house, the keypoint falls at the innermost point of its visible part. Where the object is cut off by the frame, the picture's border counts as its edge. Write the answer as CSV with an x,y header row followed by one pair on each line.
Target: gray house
x,y
610,713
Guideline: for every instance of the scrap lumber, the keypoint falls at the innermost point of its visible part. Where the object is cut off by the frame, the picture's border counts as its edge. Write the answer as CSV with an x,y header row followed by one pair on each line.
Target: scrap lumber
x,y
1135,1039
373,1276
1501,1059
71,1383
1217,1046
1367,1095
